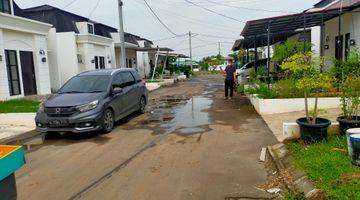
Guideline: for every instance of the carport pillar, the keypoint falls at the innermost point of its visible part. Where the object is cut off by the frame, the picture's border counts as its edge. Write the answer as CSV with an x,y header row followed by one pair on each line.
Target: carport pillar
x,y
247,55
304,33
156,63
165,63
256,54
268,51
322,35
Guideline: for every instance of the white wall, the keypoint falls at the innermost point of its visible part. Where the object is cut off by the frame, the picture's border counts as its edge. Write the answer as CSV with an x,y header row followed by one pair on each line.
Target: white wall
x,y
66,51
350,24
316,39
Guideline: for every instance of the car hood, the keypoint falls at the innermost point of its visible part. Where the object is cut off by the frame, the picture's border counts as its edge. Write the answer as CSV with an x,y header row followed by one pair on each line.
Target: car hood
x,y
75,99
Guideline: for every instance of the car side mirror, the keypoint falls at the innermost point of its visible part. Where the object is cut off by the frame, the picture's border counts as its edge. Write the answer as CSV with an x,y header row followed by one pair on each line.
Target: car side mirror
x,y
117,90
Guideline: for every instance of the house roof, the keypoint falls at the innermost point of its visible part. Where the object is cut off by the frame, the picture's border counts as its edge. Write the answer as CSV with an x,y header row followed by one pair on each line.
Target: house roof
x,y
261,40
285,23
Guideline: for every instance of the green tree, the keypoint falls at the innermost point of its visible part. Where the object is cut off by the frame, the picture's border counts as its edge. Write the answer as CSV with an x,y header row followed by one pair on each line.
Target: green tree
x,y
289,48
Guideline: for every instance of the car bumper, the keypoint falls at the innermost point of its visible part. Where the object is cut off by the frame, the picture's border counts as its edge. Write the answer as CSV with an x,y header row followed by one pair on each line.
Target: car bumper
x,y
73,124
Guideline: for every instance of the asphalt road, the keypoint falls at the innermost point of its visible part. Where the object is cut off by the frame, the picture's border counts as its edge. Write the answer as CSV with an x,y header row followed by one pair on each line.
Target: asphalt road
x,y
191,144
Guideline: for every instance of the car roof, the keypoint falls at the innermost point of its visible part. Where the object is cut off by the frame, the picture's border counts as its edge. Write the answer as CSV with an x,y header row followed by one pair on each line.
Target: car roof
x,y
105,72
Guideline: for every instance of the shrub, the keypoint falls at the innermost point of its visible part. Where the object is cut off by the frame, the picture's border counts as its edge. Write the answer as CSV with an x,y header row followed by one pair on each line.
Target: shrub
x,y
288,49
306,71
262,90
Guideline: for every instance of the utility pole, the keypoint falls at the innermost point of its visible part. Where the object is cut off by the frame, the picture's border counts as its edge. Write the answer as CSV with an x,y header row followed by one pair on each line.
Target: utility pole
x,y
190,48
219,48
122,36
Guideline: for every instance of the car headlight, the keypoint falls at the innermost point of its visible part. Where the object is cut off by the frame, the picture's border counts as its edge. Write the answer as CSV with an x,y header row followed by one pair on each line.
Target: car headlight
x,y
88,107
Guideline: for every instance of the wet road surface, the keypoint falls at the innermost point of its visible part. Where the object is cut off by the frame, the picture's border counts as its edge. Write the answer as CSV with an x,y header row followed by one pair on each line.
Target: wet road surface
x,y
191,144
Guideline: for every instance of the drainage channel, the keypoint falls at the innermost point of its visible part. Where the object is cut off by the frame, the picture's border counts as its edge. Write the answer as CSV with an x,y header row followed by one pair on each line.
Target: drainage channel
x,y
180,115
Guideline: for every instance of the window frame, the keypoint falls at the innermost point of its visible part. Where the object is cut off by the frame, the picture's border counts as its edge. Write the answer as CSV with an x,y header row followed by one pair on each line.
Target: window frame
x,y
90,28
133,82
9,66
3,7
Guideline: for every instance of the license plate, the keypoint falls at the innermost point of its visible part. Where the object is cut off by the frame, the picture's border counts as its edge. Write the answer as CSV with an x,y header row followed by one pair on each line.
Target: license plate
x,y
58,123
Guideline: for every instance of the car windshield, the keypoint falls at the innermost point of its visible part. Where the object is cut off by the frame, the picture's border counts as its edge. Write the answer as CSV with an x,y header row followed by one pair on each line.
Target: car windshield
x,y
86,84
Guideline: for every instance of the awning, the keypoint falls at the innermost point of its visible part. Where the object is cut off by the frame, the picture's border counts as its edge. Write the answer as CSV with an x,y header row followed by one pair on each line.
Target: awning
x,y
261,40
289,23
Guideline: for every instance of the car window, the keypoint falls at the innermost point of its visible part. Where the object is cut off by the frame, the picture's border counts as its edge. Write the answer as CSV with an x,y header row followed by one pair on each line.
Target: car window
x,y
127,78
117,81
137,76
86,84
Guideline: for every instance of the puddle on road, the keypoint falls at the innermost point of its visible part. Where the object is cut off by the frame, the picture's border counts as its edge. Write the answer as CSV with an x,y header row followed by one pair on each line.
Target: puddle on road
x,y
182,116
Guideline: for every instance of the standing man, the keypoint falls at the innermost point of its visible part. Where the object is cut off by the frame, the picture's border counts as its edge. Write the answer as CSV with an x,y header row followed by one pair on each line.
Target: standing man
x,y
230,78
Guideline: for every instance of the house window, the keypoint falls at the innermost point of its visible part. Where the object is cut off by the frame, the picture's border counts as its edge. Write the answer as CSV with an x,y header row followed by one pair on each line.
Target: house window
x,y
13,72
99,62
90,28
5,6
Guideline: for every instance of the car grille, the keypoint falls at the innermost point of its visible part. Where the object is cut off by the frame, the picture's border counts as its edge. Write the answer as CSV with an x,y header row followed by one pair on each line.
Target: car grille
x,y
60,111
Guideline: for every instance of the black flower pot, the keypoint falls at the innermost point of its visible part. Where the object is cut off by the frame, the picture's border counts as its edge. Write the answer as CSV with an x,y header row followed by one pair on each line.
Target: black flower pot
x,y
346,124
313,132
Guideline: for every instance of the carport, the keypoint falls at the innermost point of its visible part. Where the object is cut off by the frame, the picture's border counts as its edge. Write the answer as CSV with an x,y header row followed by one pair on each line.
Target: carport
x,y
268,31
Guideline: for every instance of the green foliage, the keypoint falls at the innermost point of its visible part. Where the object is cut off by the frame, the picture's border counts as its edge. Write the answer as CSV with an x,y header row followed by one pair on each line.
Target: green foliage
x,y
348,78
294,196
211,61
287,89
288,49
19,106
306,70
262,90
350,98
330,170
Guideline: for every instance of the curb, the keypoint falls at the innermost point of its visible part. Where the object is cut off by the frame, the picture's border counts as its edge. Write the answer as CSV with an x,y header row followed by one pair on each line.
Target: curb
x,y
298,181
27,139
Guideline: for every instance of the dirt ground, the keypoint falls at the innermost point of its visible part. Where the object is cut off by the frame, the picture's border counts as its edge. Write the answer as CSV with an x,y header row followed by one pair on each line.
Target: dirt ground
x,y
192,144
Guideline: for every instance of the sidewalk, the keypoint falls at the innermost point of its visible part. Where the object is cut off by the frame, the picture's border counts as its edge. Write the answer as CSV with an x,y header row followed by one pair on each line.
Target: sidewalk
x,y
13,125
275,121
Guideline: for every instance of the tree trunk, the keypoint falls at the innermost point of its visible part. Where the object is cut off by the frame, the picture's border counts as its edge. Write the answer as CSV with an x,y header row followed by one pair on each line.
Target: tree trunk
x,y
307,107
315,108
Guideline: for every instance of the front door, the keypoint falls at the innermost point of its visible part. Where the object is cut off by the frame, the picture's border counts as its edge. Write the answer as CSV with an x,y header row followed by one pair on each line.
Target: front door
x,y
28,73
339,47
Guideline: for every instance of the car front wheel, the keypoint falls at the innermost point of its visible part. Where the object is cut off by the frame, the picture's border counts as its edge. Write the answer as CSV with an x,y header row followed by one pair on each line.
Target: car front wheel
x,y
142,105
108,121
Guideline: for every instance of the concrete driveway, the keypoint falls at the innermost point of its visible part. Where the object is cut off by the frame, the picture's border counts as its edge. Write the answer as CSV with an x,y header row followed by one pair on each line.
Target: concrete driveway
x,y
191,144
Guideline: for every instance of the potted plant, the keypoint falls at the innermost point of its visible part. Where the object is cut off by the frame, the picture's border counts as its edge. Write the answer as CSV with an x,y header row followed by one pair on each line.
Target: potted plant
x,y
305,70
350,104
349,73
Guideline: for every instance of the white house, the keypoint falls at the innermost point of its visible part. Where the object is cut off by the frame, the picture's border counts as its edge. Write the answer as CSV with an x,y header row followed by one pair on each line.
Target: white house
x,y
24,63
75,43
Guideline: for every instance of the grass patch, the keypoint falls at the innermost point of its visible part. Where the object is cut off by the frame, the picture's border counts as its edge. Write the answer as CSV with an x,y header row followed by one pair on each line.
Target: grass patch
x,y
329,169
19,106
153,81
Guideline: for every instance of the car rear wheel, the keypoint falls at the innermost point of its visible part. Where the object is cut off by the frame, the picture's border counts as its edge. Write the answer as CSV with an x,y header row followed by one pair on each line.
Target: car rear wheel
x,y
108,121
142,105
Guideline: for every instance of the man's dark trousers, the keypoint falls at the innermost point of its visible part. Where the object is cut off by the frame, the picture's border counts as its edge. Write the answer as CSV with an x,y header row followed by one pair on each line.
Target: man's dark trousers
x,y
229,85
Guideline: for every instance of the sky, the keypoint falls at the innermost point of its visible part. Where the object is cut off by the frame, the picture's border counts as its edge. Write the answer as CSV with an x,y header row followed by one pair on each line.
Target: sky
x,y
181,17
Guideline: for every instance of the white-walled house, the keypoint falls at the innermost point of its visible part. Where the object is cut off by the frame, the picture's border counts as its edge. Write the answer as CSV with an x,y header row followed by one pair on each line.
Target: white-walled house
x,y
76,44
24,63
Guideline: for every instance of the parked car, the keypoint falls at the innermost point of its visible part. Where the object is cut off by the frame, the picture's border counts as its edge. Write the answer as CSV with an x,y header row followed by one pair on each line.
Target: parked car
x,y
93,101
244,72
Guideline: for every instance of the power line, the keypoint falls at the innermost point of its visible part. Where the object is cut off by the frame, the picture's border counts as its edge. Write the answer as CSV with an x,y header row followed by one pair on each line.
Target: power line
x,y
69,4
169,38
247,8
158,18
217,36
212,11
